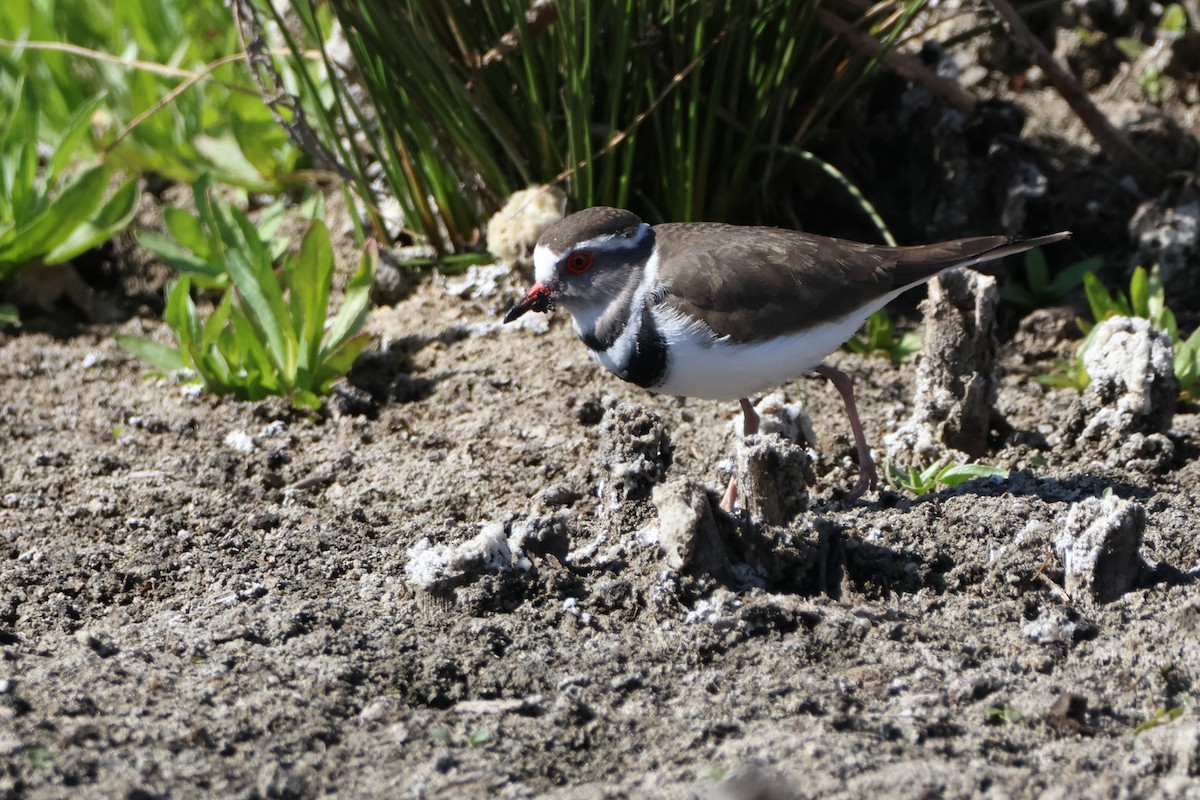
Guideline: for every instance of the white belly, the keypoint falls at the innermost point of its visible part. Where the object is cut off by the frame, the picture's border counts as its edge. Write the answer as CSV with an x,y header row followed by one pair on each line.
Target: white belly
x,y
717,369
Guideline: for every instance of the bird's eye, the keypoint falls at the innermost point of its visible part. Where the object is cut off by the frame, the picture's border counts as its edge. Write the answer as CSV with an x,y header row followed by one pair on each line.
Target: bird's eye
x,y
579,262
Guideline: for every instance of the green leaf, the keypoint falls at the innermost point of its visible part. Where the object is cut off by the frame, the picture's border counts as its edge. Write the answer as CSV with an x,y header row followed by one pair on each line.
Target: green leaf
x,y
338,362
1036,271
1018,295
1139,293
8,313
256,283
71,209
111,219
78,127
1173,20
181,314
1099,299
160,355
170,253
955,474
357,301
311,280
188,231
1072,276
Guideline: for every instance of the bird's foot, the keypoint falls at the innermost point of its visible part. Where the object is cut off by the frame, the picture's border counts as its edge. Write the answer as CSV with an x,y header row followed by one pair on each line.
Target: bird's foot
x,y
868,478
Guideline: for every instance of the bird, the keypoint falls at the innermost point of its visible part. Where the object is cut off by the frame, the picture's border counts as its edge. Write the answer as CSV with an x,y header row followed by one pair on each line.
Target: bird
x,y
723,312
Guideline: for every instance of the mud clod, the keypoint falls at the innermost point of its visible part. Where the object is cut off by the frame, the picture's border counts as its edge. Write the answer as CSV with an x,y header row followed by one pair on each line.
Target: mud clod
x,y
635,453
773,475
956,380
1100,548
687,529
1130,401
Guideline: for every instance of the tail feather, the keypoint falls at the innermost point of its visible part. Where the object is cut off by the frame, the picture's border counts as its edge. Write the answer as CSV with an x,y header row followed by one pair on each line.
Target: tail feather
x,y
921,262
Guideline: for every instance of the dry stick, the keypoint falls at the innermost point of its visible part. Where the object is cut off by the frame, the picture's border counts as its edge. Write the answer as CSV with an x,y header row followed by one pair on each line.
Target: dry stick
x,y
167,98
1114,143
97,55
276,96
903,65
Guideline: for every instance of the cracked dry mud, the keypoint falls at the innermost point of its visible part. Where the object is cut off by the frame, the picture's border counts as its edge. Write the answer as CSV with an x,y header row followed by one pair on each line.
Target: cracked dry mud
x,y
200,597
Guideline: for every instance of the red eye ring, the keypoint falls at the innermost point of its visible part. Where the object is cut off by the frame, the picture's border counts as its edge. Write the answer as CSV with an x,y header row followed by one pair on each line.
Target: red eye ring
x,y
579,262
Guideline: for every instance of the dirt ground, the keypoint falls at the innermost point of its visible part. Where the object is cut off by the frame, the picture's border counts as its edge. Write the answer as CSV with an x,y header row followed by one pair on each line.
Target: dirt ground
x,y
456,584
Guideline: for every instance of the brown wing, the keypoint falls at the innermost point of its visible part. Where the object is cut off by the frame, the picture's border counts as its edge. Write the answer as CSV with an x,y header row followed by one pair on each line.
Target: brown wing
x,y
756,283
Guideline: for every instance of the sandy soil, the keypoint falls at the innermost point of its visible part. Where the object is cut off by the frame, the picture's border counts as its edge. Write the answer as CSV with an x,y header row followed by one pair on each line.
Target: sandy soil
x,y
208,598
457,584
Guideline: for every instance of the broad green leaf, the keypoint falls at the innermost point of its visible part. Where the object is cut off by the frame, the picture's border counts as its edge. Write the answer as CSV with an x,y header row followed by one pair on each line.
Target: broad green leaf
x,y
78,127
1098,297
338,362
111,219
1139,293
72,208
1070,277
8,313
357,300
1018,295
160,355
302,398
213,326
257,358
188,231
1036,271
24,198
169,251
229,164
1173,20
181,314
961,473
311,280
256,283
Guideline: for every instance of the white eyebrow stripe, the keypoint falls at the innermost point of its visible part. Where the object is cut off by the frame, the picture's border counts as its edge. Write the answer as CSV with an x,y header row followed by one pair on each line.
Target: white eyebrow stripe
x,y
612,241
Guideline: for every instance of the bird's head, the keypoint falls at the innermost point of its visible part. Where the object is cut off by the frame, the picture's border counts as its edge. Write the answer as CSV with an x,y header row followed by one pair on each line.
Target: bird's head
x,y
585,260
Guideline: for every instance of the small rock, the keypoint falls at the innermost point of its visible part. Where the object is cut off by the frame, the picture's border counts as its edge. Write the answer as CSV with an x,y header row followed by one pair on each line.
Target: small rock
x,y
442,566
1132,371
514,230
1100,547
685,521
239,441
542,534
1069,714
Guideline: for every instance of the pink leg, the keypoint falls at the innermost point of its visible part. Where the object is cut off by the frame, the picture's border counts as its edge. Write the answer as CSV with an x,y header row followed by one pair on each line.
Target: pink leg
x,y
868,477
749,428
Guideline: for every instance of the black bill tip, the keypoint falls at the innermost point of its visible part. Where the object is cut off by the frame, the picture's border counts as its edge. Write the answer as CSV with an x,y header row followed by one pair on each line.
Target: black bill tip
x,y
537,299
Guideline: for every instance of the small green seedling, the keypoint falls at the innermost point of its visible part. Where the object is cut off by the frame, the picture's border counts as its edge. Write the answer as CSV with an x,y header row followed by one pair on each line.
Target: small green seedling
x,y
39,757
197,243
1161,716
1002,715
880,336
919,481
1040,290
1147,299
268,335
1174,21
